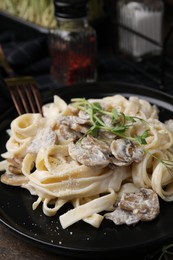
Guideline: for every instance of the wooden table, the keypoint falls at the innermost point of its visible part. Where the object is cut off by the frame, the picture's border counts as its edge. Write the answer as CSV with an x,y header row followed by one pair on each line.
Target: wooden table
x,y
13,247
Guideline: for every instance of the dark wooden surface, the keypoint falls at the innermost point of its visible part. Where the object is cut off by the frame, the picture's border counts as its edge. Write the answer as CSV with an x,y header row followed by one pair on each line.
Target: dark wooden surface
x,y
13,247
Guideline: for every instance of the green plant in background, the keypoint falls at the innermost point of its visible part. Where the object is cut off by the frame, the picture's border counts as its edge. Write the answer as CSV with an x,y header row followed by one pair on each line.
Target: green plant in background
x,y
165,253
41,12
35,11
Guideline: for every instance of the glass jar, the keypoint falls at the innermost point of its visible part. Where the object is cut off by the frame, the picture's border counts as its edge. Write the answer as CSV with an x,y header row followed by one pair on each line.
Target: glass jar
x,y
72,44
144,17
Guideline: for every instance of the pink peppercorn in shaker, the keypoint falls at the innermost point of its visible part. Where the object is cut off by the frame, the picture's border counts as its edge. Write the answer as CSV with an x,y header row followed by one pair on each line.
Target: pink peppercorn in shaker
x,y
73,44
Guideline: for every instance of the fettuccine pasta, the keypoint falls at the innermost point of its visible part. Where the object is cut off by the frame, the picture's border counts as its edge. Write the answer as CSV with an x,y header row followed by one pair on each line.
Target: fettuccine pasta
x,y
89,153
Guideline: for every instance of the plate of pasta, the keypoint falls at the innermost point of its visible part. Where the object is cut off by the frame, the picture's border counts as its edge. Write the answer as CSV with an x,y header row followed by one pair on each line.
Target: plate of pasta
x,y
94,173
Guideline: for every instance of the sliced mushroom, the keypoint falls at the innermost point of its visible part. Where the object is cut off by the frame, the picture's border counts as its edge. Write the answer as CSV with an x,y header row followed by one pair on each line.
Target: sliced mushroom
x,y
120,217
125,152
90,152
83,115
66,133
134,207
74,122
71,128
15,165
103,146
144,203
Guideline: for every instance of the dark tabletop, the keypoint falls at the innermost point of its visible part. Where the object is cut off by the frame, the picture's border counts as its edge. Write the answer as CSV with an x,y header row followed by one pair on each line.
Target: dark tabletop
x,y
13,247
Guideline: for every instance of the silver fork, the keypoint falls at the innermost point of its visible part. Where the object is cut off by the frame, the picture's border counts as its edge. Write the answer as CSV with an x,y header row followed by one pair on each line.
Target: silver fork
x,y
25,94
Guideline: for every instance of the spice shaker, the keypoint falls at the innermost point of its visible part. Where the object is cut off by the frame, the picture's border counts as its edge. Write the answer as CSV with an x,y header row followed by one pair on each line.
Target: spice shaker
x,y
73,44
144,17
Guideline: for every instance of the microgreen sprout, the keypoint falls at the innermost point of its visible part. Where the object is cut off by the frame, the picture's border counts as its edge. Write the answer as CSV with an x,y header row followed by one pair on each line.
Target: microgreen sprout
x,y
120,123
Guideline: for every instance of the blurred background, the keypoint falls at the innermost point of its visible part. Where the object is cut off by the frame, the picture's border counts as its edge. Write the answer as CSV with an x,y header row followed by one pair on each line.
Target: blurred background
x,y
134,45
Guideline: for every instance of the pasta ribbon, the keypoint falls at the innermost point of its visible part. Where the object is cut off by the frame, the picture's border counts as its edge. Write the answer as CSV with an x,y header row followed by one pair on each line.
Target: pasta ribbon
x,y
89,153
87,209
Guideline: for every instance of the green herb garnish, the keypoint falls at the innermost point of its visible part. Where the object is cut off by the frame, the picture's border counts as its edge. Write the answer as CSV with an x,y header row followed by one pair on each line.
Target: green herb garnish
x,y
119,121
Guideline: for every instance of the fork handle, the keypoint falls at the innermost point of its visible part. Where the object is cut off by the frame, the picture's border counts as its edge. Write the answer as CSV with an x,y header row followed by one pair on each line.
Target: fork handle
x,y
4,63
4,92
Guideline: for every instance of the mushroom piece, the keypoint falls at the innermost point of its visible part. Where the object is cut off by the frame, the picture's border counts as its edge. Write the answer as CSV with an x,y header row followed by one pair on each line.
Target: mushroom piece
x,y
90,152
84,115
125,152
74,122
66,133
71,127
15,165
134,207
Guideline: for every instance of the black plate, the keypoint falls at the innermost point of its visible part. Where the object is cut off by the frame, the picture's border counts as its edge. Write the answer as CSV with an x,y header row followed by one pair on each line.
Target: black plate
x,y
82,239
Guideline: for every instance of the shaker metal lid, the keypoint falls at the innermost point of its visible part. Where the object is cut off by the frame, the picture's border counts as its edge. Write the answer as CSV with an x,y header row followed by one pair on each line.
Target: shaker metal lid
x,y
70,8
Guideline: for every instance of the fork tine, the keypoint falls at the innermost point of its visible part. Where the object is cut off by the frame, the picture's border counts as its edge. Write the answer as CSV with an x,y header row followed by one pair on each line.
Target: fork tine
x,y
15,101
37,98
25,95
28,92
23,98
